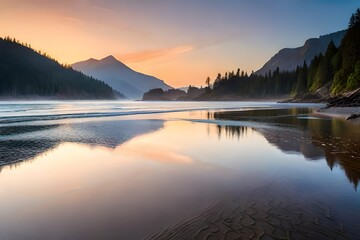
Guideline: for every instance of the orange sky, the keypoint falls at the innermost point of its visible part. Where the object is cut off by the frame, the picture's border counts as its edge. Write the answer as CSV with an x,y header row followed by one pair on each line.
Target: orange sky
x,y
181,42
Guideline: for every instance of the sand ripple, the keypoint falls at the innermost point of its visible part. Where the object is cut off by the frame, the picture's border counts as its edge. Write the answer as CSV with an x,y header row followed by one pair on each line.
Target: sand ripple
x,y
257,214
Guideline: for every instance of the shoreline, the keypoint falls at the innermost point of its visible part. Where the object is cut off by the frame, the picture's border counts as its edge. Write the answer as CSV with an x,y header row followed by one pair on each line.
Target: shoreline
x,y
340,112
331,112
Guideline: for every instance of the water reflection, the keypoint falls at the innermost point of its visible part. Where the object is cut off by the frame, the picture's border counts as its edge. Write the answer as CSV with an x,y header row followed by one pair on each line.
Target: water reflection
x,y
232,131
25,142
297,131
80,191
107,188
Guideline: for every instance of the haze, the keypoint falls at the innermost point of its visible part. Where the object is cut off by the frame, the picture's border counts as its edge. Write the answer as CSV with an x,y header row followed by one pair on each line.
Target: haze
x,y
181,42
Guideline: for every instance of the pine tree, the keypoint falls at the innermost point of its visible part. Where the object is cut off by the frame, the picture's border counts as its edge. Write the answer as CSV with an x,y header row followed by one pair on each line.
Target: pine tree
x,y
301,85
347,57
352,21
207,82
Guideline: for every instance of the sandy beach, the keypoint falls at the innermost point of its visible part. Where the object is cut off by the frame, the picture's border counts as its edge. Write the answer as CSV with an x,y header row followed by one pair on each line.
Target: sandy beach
x,y
260,213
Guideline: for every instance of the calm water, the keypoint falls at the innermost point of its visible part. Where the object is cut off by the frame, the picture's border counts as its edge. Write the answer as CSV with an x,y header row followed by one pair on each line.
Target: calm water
x,y
162,170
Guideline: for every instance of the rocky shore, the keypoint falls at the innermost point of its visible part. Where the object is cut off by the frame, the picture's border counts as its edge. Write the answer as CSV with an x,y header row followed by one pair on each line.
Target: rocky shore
x,y
347,104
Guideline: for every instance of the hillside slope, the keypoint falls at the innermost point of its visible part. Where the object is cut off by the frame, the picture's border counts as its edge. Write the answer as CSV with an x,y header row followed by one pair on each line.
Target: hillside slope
x,y
288,59
25,73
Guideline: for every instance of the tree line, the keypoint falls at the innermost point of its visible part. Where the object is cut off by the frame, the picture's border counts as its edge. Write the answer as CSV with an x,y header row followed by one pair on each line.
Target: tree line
x,y
25,72
338,70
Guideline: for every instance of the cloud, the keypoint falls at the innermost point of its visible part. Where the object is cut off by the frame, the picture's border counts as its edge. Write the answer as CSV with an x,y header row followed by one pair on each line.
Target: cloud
x,y
156,53
70,19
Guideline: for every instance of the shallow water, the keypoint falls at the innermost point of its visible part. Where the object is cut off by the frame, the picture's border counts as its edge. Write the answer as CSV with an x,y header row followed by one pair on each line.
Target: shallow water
x,y
134,170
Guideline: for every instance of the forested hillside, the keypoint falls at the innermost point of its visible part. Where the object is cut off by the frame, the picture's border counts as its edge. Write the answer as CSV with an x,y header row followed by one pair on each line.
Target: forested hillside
x,y
287,59
335,72
26,73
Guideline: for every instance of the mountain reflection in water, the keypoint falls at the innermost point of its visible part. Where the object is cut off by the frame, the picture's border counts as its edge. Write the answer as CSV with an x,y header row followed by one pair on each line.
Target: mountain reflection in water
x,y
297,131
24,142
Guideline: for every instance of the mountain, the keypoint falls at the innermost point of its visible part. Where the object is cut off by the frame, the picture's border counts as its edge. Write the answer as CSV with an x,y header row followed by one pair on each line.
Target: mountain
x,y
289,58
120,77
25,73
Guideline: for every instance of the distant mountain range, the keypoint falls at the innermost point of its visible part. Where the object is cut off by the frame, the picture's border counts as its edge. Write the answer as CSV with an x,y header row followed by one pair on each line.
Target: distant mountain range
x,y
120,77
289,58
25,73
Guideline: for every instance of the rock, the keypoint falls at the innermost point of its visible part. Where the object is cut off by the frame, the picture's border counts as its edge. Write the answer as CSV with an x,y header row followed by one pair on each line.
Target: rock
x,y
351,99
353,116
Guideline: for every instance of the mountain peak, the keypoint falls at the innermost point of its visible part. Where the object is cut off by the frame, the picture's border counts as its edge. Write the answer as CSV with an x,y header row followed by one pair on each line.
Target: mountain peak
x,y
122,78
110,57
92,60
113,62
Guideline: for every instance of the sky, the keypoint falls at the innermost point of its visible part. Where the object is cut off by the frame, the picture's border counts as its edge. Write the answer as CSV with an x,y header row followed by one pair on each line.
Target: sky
x,y
179,41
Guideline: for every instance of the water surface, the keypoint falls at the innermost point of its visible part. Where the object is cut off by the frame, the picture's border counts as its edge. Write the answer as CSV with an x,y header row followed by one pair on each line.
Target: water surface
x,y
135,170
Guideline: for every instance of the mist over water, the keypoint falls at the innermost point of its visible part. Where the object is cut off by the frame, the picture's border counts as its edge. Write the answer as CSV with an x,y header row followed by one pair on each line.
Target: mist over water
x,y
135,170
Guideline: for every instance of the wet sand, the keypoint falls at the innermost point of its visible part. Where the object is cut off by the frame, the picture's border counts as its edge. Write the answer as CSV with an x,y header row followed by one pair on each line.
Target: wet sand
x,y
266,212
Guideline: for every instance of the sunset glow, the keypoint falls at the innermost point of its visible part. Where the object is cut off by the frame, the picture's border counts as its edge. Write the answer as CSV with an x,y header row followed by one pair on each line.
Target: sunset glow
x,y
180,42
179,119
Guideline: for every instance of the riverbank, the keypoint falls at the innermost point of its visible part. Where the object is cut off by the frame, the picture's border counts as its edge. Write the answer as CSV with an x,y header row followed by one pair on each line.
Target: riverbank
x,y
348,113
346,106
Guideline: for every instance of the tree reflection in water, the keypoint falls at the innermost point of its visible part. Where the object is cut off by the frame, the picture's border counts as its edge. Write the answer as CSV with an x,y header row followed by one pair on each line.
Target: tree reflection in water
x,y
298,131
